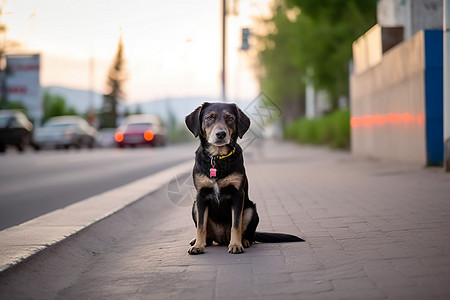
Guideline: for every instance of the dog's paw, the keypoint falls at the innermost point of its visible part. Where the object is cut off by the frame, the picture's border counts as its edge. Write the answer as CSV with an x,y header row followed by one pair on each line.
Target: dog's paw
x,y
192,242
235,249
196,250
246,243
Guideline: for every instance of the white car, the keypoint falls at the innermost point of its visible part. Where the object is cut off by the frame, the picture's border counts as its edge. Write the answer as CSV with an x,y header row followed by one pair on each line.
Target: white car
x,y
65,132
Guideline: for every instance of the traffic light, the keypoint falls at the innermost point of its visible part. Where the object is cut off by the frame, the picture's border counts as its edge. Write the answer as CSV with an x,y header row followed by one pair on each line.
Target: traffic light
x,y
245,35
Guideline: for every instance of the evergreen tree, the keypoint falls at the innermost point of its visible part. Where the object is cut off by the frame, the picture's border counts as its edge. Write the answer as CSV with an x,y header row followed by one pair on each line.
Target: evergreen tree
x,y
115,90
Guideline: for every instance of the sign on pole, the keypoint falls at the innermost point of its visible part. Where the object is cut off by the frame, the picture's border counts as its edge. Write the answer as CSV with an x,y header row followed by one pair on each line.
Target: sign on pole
x,y
23,84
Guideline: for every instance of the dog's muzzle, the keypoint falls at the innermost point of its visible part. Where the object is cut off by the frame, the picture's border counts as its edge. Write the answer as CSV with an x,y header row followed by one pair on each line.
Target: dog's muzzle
x,y
220,138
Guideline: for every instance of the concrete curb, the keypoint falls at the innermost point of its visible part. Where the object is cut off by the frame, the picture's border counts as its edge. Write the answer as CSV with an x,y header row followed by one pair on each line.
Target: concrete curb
x,y
21,242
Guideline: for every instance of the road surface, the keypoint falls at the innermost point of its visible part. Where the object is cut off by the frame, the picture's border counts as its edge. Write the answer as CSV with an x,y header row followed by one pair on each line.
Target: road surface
x,y
35,183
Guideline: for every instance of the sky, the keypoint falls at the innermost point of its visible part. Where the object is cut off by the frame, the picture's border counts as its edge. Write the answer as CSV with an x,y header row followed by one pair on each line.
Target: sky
x,y
172,48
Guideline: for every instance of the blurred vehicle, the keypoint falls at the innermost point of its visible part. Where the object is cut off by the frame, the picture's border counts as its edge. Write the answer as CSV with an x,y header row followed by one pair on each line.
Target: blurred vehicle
x,y
105,137
15,129
141,130
65,132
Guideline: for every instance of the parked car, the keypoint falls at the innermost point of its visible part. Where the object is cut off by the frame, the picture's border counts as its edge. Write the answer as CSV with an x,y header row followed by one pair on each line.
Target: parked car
x,y
141,130
105,138
65,132
15,129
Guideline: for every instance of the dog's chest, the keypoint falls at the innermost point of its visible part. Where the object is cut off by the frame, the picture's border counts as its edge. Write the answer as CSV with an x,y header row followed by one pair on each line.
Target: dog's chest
x,y
202,181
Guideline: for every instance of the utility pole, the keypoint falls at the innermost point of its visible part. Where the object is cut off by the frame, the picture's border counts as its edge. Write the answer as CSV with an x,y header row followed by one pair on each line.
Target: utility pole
x,y
91,81
447,85
224,17
3,69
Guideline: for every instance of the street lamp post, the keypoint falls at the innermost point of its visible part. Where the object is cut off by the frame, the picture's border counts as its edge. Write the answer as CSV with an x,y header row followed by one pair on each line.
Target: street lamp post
x,y
224,15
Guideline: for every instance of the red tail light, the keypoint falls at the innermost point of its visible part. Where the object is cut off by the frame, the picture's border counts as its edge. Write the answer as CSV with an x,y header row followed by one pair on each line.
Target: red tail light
x,y
118,136
148,135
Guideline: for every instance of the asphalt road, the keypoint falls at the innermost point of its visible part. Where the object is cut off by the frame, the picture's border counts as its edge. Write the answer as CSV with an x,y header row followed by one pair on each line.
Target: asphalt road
x,y
35,183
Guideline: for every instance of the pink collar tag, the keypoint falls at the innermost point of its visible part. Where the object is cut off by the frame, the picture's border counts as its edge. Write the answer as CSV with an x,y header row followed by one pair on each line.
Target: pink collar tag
x,y
212,172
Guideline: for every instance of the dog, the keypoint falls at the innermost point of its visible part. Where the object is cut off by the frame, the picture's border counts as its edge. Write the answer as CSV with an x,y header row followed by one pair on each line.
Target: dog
x,y
222,211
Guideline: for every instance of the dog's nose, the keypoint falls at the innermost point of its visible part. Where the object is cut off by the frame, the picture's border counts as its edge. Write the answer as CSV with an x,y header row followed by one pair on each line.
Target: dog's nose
x,y
221,134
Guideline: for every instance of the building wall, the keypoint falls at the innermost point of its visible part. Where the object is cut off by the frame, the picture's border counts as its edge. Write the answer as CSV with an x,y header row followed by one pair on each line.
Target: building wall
x,y
413,15
367,50
423,14
389,118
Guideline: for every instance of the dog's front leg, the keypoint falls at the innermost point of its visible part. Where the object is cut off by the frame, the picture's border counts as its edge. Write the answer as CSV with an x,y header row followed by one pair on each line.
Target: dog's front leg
x,y
200,240
235,246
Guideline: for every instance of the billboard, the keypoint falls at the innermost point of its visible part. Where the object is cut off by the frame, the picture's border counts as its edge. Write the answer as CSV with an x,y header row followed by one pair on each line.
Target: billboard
x,y
23,84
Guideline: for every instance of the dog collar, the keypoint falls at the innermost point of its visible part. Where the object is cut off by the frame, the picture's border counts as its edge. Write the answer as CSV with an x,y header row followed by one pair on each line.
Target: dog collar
x,y
213,170
227,155
214,157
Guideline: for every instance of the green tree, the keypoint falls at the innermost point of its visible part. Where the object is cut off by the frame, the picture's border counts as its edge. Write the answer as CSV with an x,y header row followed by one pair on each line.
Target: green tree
x,y
311,41
138,109
16,105
115,81
280,77
55,105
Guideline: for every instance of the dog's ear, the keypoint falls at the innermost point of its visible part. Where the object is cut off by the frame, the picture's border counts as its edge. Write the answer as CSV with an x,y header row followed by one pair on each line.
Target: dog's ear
x,y
194,121
243,123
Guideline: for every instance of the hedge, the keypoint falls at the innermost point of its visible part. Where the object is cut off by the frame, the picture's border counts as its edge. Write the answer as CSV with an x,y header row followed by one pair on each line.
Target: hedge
x,y
332,129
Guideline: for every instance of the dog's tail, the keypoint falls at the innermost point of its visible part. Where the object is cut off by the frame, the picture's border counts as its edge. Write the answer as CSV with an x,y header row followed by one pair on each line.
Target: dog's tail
x,y
267,237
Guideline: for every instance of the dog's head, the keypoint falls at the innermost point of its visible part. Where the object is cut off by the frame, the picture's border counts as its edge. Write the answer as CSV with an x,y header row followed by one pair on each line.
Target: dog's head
x,y
218,124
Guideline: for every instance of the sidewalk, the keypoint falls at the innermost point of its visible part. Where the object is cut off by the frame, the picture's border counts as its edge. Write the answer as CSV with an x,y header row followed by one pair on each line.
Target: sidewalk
x,y
373,230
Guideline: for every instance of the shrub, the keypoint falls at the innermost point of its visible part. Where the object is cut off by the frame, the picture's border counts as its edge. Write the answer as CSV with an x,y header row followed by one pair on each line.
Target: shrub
x,y
332,129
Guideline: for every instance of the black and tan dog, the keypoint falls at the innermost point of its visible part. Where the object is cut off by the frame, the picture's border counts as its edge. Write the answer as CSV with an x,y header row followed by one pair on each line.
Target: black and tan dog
x,y
222,212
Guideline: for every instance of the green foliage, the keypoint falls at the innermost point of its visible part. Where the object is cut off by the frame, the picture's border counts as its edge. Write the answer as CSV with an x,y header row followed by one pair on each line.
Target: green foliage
x,y
332,129
179,134
138,110
279,77
14,105
55,105
311,41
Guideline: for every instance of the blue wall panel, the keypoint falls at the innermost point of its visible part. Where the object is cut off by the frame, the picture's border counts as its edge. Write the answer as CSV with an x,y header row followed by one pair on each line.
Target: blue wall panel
x,y
434,95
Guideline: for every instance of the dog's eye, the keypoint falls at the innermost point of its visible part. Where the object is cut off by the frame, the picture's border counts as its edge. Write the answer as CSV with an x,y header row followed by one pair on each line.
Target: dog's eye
x,y
209,118
230,119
